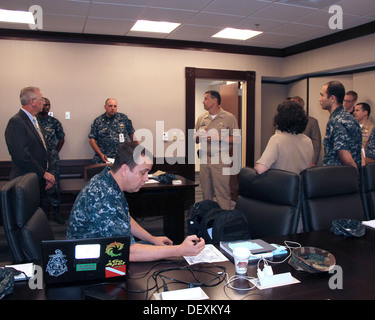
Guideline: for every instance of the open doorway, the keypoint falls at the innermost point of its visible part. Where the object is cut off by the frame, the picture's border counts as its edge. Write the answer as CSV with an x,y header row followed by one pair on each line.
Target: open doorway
x,y
231,101
242,81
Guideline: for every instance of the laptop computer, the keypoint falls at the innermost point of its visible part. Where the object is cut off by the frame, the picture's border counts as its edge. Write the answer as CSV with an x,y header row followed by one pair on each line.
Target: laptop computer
x,y
74,260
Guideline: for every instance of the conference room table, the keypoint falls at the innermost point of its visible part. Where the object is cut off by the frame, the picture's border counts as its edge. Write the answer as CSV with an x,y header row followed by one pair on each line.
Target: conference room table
x,y
354,279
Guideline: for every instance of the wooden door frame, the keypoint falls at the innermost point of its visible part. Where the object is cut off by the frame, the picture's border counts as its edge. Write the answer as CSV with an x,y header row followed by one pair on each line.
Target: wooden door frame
x,y
191,74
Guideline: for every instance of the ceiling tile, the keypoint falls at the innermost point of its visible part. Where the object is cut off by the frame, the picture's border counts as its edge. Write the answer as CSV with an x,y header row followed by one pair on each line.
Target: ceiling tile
x,y
296,29
107,26
115,11
257,24
63,7
170,15
241,7
318,4
318,18
53,22
193,33
283,12
15,5
357,7
142,3
214,20
194,5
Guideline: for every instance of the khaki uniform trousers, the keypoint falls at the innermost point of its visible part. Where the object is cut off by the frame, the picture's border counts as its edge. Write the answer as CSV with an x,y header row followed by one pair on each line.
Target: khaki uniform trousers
x,y
213,181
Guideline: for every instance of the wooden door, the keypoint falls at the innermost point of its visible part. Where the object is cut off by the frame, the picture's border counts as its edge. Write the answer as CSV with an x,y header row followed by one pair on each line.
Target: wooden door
x,y
231,102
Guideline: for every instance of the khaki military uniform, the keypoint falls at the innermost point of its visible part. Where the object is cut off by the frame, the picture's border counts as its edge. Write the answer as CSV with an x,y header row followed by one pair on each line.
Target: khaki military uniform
x,y
212,161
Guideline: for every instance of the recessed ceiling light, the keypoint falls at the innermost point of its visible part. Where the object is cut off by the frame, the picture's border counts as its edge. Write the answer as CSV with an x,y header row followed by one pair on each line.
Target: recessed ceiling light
x,y
154,26
237,34
16,16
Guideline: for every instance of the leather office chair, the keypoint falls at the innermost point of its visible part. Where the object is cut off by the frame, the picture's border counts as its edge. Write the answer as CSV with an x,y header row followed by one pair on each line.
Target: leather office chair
x,y
270,201
93,169
328,193
368,190
25,223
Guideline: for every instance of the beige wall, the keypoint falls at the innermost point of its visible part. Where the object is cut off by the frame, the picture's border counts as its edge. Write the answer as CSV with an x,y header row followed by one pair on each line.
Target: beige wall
x,y
356,53
149,83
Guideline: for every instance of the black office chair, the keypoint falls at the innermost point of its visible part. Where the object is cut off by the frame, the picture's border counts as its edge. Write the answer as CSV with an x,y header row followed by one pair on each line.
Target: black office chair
x,y
328,193
368,190
93,169
270,201
25,223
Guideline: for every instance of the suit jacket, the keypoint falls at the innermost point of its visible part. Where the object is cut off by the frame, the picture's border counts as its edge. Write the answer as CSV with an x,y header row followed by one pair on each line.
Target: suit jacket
x,y
26,147
313,132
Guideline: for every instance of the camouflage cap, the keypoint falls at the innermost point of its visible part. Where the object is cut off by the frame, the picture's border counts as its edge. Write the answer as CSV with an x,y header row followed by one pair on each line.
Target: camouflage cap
x,y
312,260
166,178
348,228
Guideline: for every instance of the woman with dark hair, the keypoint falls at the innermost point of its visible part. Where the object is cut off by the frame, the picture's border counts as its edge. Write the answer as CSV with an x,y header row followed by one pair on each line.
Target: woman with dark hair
x,y
288,149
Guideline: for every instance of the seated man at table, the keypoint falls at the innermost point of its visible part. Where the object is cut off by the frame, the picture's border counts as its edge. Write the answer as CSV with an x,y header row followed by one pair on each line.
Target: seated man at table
x,y
101,209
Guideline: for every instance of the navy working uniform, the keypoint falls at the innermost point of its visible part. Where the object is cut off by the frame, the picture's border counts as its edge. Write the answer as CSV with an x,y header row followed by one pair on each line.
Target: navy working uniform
x,y
100,210
370,148
109,133
53,133
343,133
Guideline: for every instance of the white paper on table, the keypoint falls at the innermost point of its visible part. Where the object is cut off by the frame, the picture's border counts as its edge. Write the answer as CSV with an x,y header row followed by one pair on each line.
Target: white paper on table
x,y
209,254
369,223
27,268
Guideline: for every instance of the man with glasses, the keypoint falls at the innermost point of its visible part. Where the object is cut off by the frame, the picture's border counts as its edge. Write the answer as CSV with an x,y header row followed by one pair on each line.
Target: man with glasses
x,y
26,143
54,137
350,100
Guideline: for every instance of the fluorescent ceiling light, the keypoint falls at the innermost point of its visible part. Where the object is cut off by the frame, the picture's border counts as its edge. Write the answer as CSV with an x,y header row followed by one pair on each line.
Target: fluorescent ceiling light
x,y
237,34
16,16
154,26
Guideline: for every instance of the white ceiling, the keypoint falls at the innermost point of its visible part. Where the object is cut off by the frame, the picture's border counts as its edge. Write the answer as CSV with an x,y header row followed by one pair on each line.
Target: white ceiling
x,y
284,22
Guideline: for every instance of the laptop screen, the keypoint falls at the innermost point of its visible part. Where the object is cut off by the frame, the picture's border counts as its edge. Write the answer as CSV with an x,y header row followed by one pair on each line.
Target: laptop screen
x,y
84,259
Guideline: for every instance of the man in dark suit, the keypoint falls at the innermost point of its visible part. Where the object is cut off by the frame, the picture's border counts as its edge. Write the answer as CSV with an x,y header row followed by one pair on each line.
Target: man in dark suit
x,y
25,141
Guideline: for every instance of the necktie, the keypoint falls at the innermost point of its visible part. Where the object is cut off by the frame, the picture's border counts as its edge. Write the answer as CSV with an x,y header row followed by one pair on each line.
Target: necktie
x,y
36,124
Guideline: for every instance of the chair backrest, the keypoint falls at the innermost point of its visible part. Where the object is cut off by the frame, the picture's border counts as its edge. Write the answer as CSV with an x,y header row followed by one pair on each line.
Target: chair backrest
x,y
25,223
270,201
93,169
368,190
328,193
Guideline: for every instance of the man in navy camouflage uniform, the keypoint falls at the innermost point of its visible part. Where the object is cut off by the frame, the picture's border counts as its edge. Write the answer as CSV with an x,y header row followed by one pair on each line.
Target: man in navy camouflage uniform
x,y
108,131
101,209
370,148
343,140
54,138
